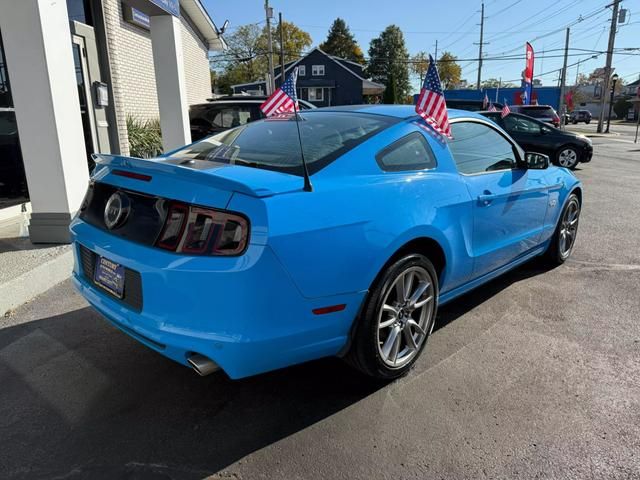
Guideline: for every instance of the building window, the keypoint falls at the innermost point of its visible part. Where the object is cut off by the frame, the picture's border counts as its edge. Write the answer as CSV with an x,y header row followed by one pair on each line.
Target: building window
x,y
302,71
317,70
80,11
316,94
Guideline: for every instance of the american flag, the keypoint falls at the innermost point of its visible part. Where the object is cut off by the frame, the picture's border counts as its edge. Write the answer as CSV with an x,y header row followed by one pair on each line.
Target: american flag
x,y
505,110
485,101
431,104
492,108
284,99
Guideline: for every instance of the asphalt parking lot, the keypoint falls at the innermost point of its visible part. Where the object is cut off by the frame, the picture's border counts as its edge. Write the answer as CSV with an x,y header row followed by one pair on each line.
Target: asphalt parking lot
x,y
536,375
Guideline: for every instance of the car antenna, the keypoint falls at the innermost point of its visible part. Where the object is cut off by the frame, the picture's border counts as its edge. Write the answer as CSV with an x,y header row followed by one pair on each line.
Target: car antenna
x,y
305,171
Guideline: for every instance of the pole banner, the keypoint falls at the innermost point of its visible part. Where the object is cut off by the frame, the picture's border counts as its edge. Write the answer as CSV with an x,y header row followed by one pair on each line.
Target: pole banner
x,y
527,76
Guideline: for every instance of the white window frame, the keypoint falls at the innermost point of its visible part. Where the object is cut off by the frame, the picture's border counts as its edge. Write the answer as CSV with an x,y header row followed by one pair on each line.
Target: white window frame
x,y
302,70
315,90
316,69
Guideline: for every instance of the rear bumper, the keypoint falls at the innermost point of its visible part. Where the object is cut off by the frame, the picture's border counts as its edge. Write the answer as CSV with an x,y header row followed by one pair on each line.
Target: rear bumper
x,y
244,313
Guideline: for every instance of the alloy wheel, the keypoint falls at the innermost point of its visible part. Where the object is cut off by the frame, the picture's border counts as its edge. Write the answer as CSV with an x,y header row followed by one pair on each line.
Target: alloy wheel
x,y
567,157
569,228
405,316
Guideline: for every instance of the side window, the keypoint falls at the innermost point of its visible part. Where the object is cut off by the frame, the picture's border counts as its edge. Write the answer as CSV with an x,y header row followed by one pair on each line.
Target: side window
x,y
409,153
302,70
230,117
478,148
317,70
520,125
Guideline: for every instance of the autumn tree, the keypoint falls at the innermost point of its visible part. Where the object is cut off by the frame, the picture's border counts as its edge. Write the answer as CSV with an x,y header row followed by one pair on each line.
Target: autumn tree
x,y
388,63
449,70
420,64
341,43
246,58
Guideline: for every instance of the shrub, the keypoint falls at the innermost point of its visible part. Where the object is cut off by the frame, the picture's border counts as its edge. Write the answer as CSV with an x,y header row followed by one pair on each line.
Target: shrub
x,y
145,138
621,107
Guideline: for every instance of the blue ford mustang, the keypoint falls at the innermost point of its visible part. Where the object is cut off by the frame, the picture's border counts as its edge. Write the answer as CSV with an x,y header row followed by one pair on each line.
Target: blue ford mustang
x,y
215,256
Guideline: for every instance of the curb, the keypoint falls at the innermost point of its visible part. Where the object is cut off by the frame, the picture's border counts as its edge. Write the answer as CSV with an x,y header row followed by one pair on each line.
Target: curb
x,y
21,289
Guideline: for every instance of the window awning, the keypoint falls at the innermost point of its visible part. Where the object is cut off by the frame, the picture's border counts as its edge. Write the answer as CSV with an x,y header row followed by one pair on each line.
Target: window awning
x,y
372,88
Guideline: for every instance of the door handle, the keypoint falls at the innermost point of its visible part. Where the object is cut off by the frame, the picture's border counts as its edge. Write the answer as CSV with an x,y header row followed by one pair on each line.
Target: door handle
x,y
486,198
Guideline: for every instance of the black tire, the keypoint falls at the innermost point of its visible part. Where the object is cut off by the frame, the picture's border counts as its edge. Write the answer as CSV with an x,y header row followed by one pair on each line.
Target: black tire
x,y
556,254
567,156
575,122
587,122
365,353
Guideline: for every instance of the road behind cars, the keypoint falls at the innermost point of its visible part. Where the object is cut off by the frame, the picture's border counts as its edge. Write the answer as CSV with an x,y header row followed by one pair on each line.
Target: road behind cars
x,y
535,375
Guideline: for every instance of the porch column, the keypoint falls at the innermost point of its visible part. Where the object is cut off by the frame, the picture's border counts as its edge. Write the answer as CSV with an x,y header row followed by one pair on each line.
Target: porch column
x,y
166,40
41,70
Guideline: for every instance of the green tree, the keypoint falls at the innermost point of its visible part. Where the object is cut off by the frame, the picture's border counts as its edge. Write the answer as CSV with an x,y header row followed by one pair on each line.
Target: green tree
x,y
495,83
388,62
449,70
341,43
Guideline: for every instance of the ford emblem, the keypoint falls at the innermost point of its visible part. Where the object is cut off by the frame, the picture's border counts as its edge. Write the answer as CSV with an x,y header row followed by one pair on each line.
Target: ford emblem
x,y
116,210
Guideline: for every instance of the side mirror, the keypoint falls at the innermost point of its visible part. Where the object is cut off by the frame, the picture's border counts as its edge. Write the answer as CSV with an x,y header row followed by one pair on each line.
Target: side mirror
x,y
536,161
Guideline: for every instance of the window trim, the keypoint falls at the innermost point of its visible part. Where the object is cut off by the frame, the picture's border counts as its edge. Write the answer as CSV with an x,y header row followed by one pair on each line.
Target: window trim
x,y
398,143
313,70
302,70
517,150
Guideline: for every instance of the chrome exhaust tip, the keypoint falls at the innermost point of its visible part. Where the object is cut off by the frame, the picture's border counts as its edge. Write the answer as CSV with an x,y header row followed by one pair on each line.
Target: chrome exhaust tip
x,y
202,365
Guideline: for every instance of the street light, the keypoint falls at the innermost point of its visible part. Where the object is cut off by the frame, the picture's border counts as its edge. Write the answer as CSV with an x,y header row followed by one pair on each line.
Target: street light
x,y
614,79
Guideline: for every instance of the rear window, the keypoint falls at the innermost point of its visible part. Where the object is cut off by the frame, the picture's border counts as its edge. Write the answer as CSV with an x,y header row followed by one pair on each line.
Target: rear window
x,y
538,112
273,144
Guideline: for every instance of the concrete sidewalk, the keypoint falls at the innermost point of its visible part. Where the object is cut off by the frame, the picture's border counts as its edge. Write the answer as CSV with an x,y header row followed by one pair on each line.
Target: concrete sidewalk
x,y
27,269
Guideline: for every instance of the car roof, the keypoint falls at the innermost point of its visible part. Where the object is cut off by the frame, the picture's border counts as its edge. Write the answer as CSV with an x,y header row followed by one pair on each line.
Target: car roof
x,y
397,111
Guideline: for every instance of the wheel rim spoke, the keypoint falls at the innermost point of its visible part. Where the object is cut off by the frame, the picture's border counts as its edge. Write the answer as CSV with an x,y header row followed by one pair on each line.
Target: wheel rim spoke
x,y
408,336
422,287
390,342
422,303
416,325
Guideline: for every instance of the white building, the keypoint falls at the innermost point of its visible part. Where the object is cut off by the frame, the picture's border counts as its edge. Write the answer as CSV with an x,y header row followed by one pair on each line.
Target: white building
x,y
70,74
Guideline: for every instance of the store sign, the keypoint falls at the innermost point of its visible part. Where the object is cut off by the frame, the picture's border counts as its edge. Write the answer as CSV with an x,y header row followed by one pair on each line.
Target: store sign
x,y
169,6
136,17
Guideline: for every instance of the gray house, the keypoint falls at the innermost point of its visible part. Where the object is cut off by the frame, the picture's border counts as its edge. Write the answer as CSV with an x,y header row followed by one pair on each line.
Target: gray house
x,y
323,80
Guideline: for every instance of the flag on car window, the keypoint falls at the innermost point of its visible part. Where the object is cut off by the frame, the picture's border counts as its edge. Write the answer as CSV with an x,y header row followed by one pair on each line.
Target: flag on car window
x,y
485,101
284,99
492,108
505,110
431,104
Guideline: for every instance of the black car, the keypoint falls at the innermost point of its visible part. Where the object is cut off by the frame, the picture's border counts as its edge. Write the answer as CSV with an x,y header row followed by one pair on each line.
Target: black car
x,y
469,105
580,116
227,112
565,149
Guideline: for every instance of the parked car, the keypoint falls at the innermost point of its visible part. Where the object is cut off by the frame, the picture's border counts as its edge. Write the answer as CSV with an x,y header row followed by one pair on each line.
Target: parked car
x,y
223,113
469,105
217,257
566,149
578,116
544,113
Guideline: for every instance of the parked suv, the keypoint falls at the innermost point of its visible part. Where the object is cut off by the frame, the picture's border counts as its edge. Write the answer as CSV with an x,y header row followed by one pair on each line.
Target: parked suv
x,y
544,113
580,116
227,112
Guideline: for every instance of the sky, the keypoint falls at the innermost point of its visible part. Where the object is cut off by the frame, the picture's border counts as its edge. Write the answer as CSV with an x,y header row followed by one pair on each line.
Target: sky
x,y
455,25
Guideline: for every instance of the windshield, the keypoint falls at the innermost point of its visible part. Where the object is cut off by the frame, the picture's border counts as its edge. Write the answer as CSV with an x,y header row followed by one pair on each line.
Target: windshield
x,y
538,112
273,143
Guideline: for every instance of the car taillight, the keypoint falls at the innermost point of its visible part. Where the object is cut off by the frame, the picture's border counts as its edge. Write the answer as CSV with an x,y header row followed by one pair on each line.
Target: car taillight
x,y
556,119
203,231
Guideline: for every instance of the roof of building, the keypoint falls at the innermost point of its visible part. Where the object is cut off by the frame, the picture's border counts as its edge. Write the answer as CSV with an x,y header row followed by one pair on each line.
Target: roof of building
x,y
204,23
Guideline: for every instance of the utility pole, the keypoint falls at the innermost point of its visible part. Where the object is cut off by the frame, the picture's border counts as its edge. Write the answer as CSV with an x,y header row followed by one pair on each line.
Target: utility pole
x,y
436,57
281,28
607,68
480,46
269,14
563,80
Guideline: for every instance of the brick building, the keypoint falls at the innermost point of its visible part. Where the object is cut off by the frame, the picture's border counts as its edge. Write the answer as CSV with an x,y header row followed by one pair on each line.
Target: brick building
x,y
60,104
